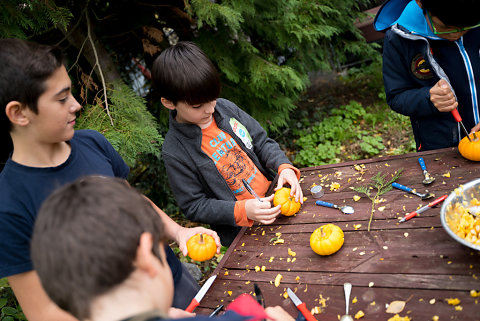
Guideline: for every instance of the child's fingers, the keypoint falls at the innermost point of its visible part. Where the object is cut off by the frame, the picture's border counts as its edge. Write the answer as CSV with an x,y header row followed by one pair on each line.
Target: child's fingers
x,y
267,217
266,222
214,235
268,198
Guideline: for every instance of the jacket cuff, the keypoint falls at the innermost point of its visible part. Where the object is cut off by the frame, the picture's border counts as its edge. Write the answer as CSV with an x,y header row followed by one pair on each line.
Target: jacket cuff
x,y
241,214
285,166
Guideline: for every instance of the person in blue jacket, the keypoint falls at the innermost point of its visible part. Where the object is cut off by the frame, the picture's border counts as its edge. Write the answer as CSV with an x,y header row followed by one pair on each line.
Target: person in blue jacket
x,y
431,66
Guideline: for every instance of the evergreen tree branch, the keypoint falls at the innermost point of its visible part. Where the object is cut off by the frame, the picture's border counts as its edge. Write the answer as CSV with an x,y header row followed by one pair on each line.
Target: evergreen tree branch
x,y
89,36
381,185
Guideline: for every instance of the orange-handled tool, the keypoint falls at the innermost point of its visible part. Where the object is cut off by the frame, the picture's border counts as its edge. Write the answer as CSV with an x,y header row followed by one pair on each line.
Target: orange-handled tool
x,y
458,118
301,306
423,209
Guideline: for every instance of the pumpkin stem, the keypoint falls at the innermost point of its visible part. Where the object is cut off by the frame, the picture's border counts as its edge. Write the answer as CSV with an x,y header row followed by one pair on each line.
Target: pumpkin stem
x,y
201,239
322,233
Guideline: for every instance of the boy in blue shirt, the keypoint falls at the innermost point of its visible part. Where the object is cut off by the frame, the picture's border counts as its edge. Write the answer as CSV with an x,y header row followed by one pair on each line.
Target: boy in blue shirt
x,y
38,115
431,66
98,247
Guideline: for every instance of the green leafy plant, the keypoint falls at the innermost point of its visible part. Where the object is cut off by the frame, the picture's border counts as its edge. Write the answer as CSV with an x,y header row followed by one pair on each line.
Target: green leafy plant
x,y
321,143
10,310
377,188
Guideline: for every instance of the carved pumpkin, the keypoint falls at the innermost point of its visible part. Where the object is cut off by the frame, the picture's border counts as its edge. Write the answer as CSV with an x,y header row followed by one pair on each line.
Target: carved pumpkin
x,y
470,149
327,239
289,205
201,247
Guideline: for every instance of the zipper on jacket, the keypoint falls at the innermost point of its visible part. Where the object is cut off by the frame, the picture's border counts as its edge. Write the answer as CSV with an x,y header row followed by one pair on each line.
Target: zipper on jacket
x,y
471,78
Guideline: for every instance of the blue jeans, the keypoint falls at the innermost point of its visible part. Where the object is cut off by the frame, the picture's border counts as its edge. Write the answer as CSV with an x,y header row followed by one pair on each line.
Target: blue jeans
x,y
185,290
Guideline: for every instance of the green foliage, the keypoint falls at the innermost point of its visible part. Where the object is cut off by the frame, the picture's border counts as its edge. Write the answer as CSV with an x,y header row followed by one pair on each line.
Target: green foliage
x,y
322,143
265,48
10,310
22,19
134,131
380,185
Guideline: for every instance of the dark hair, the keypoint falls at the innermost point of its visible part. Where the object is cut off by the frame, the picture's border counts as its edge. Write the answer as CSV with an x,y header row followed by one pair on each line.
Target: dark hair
x,y
24,67
459,13
184,73
85,239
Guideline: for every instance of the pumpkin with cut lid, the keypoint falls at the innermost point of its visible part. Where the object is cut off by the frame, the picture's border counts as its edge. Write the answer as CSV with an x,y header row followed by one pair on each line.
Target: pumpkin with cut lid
x,y
470,149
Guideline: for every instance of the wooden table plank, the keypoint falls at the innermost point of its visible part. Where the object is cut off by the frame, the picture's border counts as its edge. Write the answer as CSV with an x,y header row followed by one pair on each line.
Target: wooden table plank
x,y
415,260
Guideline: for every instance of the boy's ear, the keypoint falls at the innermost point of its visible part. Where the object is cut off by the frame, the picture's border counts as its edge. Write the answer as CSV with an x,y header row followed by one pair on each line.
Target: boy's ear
x,y
15,112
145,257
167,103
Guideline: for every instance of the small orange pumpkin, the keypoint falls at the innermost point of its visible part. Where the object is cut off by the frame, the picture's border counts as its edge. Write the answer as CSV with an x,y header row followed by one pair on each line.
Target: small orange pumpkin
x,y
327,239
289,205
470,149
201,247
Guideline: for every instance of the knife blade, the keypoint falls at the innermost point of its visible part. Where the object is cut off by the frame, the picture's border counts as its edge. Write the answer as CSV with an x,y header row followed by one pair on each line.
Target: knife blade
x,y
215,312
423,209
200,294
259,296
301,306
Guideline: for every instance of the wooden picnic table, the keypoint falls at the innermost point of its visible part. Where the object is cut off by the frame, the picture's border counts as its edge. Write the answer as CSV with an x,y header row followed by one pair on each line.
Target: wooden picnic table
x,y
415,261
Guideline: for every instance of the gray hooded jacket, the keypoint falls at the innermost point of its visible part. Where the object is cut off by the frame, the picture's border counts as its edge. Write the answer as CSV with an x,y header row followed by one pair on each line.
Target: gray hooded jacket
x,y
200,190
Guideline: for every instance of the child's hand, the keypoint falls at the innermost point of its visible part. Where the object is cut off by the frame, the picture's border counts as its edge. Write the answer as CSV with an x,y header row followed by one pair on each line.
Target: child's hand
x,y
262,212
288,176
442,97
175,313
475,128
278,313
183,234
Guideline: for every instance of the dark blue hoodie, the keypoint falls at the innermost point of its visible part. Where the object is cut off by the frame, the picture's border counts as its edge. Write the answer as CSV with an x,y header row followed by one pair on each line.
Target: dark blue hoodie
x,y
414,60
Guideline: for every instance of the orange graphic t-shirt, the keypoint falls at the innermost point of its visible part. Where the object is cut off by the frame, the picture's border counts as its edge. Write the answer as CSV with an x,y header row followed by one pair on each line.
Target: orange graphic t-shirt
x,y
234,165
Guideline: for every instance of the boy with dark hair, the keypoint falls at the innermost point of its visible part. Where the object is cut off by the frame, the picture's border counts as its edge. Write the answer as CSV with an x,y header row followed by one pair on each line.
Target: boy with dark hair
x,y
431,66
98,248
211,145
38,115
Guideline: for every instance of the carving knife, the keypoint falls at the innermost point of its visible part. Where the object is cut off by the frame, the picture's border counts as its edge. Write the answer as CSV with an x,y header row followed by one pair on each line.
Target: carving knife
x,y
458,118
301,306
200,294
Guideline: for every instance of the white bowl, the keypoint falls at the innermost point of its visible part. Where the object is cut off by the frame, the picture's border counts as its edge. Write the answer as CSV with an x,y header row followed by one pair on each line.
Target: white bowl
x,y
463,194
